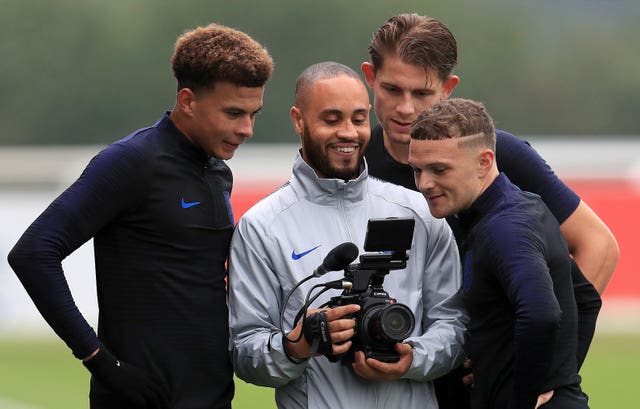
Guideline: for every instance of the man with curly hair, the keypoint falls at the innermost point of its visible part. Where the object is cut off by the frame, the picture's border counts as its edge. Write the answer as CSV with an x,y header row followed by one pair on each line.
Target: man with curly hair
x,y
157,205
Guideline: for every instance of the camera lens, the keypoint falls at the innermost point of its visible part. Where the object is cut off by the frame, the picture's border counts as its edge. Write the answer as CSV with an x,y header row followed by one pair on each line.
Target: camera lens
x,y
389,324
396,322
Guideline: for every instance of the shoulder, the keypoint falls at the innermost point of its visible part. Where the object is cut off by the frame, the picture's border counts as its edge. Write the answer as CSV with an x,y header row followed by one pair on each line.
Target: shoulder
x,y
138,145
392,193
512,224
265,211
509,146
528,170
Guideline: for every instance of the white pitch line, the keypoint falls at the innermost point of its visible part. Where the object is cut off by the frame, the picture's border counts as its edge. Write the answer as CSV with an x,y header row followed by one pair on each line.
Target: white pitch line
x,y
12,404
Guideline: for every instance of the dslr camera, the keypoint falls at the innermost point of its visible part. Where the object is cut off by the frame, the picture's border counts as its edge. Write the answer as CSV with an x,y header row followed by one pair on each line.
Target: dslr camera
x,y
381,322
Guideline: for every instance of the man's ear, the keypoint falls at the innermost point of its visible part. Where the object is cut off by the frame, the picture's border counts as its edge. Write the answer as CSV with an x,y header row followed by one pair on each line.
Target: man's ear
x,y
296,119
486,159
369,73
449,85
185,101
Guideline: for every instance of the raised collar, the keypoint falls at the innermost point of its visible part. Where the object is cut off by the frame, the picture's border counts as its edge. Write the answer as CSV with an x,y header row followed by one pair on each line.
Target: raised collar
x,y
326,191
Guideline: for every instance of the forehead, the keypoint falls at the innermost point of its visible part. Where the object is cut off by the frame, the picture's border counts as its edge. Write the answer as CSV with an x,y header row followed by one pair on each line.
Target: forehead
x,y
396,72
232,95
428,152
342,93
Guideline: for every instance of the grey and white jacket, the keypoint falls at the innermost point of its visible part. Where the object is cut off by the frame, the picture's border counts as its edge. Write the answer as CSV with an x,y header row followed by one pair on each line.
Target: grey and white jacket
x,y
284,237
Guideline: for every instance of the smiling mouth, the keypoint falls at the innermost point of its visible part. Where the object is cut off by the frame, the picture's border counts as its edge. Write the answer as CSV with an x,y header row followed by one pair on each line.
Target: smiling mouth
x,y
345,149
401,123
235,145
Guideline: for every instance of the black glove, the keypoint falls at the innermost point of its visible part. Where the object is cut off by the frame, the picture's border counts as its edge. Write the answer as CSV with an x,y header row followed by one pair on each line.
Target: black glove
x,y
126,380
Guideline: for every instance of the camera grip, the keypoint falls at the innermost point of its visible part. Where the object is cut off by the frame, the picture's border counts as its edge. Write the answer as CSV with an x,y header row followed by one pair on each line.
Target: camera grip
x,y
315,329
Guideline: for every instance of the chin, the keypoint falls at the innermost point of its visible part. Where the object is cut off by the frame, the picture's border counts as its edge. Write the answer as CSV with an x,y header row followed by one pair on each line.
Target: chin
x,y
224,155
400,137
437,213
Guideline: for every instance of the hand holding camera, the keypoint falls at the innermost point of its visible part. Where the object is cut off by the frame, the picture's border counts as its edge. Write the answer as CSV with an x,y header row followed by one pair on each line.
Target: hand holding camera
x,y
375,370
376,322
334,339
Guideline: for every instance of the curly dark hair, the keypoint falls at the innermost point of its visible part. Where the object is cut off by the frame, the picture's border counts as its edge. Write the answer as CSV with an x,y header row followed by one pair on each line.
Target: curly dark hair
x,y
418,40
215,53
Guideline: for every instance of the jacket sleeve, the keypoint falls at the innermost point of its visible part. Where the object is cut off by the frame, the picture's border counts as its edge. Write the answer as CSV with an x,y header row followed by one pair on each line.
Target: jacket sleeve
x,y
440,347
107,185
255,300
529,171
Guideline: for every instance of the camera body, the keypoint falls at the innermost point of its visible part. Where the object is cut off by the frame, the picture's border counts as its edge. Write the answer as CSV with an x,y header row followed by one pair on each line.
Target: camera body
x,y
381,322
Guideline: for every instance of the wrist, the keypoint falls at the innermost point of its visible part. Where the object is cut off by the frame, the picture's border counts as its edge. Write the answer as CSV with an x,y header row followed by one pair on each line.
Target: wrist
x,y
94,353
285,347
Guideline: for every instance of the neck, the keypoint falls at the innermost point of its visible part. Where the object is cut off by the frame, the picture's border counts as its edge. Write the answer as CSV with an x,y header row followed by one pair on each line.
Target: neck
x,y
180,123
398,151
491,176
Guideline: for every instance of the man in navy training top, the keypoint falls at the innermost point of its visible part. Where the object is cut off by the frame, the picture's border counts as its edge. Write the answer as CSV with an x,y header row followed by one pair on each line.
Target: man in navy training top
x,y
411,68
517,284
157,205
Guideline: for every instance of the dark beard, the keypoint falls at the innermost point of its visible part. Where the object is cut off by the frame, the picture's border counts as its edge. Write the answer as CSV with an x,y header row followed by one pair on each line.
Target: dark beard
x,y
313,154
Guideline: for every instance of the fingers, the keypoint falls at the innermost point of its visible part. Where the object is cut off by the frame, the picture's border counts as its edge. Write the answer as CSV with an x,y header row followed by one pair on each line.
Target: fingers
x,y
544,398
468,378
339,312
341,325
383,371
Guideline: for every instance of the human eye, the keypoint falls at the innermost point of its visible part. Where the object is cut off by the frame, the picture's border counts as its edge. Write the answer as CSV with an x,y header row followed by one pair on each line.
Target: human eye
x,y
391,89
255,113
360,120
234,113
423,93
332,120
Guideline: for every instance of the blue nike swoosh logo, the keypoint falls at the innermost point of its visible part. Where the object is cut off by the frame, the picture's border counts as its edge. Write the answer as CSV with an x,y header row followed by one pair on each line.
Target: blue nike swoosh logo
x,y
186,205
297,256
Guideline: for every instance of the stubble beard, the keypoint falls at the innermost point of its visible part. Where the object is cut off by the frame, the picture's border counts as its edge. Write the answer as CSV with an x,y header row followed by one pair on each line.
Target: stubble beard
x,y
316,157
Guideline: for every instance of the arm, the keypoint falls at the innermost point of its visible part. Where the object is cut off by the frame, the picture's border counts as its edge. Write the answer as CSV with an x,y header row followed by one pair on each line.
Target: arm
x,y
439,349
592,245
72,219
255,299
522,271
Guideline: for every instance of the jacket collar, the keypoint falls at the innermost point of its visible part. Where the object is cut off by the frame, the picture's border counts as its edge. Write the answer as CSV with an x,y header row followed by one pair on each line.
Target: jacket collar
x,y
326,191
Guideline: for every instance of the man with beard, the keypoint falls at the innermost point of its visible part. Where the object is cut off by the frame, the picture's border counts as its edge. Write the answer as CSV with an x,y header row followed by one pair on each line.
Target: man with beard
x,y
329,200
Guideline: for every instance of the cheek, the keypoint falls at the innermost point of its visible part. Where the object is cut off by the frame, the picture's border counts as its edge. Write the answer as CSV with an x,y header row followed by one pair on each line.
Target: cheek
x,y
423,104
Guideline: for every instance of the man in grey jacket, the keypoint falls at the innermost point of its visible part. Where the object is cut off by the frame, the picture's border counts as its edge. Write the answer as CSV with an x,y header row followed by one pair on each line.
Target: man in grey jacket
x,y
329,200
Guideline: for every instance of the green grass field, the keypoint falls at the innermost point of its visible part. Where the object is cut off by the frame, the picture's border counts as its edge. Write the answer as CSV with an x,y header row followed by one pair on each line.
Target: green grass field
x,y
42,374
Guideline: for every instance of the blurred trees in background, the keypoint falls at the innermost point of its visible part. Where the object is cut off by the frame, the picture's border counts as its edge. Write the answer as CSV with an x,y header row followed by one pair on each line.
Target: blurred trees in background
x,y
90,72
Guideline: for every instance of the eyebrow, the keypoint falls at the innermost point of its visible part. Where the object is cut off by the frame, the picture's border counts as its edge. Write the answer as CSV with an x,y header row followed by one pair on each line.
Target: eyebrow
x,y
242,110
333,111
424,89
